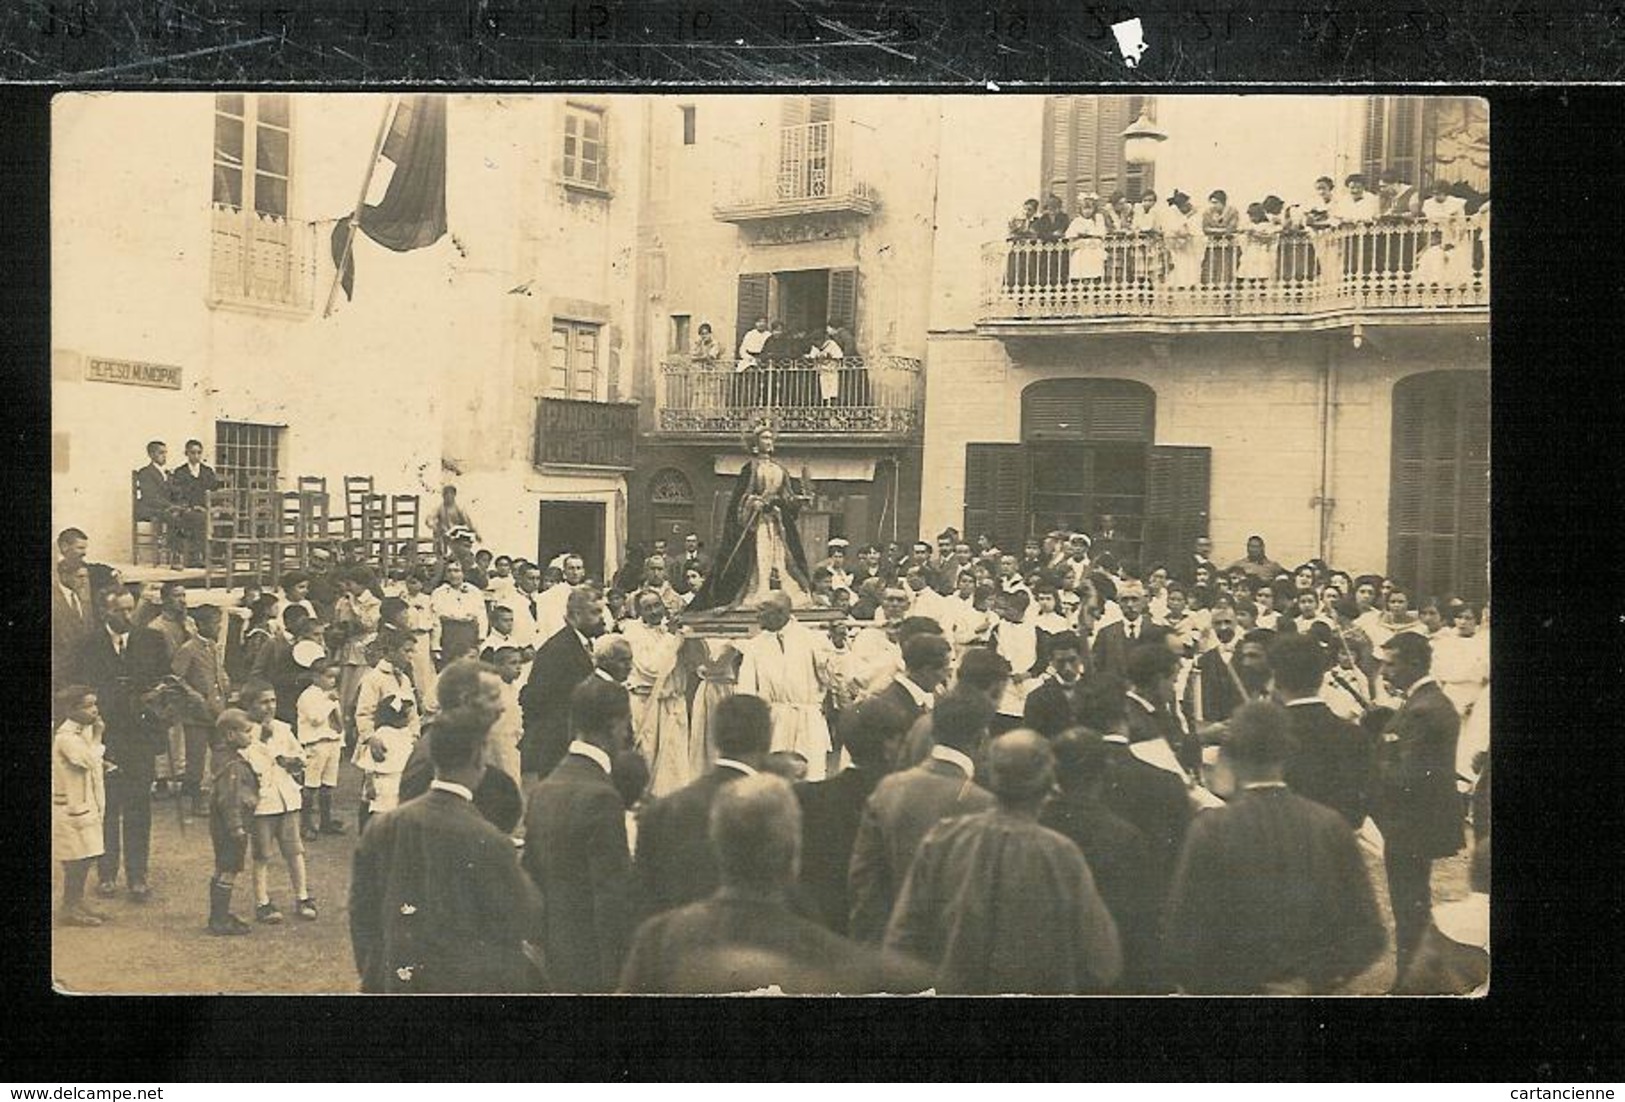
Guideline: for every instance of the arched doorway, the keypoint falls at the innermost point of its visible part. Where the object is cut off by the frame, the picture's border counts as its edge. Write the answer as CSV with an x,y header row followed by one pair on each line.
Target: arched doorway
x,y
671,507
1439,492
1087,451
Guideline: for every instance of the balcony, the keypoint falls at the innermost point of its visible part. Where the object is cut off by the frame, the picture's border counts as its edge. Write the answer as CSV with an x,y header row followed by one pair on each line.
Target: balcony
x,y
261,261
571,433
875,399
1297,280
807,169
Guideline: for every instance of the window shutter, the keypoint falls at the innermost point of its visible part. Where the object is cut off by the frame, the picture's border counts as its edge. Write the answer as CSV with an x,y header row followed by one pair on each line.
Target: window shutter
x,y
1085,149
753,290
793,110
1108,168
1057,144
1177,485
1438,512
843,301
996,493
1088,411
1372,154
820,108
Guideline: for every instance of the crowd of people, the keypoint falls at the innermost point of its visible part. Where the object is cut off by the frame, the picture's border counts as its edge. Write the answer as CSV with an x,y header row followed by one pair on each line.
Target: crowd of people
x,y
974,771
1177,243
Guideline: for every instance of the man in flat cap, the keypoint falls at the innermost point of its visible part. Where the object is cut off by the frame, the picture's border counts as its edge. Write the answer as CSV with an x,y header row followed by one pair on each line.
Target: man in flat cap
x,y
997,903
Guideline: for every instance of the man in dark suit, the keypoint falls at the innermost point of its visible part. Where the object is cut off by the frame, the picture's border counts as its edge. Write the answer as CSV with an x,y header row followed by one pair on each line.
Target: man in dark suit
x,y
1120,856
155,496
575,845
926,658
124,664
831,810
560,665
1152,798
1152,668
1334,759
1415,802
1050,707
1271,895
745,937
1116,639
674,862
189,487
71,620
693,555
438,902
906,805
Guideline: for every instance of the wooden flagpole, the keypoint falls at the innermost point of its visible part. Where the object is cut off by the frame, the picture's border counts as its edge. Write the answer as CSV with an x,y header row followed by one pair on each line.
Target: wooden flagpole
x,y
390,109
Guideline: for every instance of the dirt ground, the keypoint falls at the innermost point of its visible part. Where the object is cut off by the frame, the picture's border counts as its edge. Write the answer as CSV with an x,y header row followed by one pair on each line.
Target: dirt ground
x,y
161,946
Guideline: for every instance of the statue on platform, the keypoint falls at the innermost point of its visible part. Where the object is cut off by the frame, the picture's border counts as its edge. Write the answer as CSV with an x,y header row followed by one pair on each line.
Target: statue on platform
x,y
761,549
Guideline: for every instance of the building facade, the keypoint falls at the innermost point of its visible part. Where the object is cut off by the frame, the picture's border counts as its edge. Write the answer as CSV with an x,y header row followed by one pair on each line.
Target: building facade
x,y
805,210
191,278
1333,398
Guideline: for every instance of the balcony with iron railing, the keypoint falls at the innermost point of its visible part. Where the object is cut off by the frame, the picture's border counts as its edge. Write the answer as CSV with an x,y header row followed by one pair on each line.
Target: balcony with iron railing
x,y
808,168
261,261
1298,279
874,399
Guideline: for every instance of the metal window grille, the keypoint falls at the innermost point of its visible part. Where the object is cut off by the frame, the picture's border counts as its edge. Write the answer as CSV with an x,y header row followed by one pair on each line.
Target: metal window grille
x,y
247,457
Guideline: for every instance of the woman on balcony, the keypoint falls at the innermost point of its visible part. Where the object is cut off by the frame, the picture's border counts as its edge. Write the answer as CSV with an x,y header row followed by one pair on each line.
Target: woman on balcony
x,y
1182,232
761,549
1087,235
1257,263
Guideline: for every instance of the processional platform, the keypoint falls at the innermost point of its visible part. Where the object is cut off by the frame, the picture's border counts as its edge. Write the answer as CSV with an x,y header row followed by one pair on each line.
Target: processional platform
x,y
738,623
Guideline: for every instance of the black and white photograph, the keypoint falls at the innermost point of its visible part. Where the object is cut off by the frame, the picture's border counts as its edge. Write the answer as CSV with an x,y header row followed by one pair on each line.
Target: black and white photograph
x,y
724,543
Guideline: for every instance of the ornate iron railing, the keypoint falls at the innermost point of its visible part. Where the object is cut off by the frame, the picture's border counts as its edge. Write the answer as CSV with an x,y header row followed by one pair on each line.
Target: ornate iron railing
x,y
873,396
1356,267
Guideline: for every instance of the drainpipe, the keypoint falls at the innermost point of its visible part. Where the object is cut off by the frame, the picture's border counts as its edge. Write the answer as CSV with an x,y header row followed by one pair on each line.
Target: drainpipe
x,y
1323,499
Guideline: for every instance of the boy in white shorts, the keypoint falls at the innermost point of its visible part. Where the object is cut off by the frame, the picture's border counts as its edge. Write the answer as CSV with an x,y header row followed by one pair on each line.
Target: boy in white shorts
x,y
276,758
321,733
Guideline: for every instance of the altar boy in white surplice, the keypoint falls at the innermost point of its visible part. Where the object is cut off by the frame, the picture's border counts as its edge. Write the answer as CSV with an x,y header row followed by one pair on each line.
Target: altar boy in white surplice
x,y
784,664
658,685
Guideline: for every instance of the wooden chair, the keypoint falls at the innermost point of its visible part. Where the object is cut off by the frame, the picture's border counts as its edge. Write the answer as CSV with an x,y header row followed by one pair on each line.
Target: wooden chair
x,y
409,545
322,530
229,550
147,537
357,488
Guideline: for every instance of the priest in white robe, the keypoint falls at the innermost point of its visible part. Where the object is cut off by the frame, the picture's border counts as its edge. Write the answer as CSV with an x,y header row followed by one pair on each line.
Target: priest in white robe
x,y
784,664
658,685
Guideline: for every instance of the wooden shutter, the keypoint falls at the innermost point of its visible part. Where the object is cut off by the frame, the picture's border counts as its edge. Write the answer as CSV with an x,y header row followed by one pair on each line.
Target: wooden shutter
x,y
1088,410
820,108
1394,138
1083,147
1438,511
753,291
996,493
1178,481
793,111
1108,168
842,305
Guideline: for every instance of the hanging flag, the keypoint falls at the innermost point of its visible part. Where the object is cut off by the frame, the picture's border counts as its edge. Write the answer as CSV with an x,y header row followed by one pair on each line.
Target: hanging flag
x,y
412,212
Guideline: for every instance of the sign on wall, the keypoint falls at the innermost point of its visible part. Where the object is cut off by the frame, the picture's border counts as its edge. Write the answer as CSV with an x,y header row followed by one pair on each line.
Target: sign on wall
x,y
589,434
132,373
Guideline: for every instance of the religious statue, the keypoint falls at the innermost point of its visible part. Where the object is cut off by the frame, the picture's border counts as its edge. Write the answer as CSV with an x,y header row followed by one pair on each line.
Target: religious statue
x,y
761,549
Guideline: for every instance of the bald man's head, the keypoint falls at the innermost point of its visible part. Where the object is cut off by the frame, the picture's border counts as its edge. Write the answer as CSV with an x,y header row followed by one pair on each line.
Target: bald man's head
x,y
755,832
1021,767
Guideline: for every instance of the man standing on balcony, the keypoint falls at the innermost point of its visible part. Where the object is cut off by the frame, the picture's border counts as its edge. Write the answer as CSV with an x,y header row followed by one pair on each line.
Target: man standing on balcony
x,y
747,390
190,485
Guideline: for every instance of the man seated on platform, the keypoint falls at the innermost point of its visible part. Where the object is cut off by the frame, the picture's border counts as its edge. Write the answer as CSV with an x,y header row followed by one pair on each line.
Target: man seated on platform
x,y
154,494
190,485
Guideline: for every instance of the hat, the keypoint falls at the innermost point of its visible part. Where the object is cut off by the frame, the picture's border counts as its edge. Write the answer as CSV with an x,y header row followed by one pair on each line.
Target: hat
x,y
460,532
1177,198
307,652
838,542
1084,536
